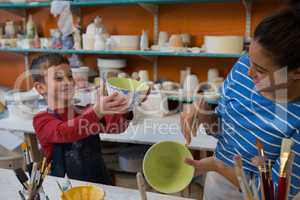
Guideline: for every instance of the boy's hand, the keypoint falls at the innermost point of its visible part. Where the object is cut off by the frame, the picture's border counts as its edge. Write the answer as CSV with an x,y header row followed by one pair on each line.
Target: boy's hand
x,y
115,103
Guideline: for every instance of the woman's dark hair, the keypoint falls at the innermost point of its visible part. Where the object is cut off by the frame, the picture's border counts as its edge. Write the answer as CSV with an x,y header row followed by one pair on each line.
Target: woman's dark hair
x,y
43,62
279,34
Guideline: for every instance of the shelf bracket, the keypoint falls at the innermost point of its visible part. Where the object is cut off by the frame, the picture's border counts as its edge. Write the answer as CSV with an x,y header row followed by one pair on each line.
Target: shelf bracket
x,y
154,10
248,7
155,69
150,8
27,69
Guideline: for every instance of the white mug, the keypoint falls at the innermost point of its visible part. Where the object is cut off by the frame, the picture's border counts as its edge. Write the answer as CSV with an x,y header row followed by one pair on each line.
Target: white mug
x,y
191,83
88,41
186,39
212,74
143,75
163,38
100,43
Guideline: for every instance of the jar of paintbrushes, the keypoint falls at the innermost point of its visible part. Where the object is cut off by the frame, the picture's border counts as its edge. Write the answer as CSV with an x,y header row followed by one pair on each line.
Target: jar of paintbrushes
x,y
33,185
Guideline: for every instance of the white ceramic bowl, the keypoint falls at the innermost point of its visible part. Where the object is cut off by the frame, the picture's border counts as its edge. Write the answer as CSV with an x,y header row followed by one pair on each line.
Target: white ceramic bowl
x,y
211,97
224,44
111,63
83,71
125,42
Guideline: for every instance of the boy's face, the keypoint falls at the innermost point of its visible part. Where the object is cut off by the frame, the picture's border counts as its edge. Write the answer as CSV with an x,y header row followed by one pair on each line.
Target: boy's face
x,y
58,86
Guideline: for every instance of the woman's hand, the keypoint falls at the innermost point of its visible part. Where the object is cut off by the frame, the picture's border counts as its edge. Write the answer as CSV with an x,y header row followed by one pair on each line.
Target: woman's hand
x,y
193,115
212,164
204,165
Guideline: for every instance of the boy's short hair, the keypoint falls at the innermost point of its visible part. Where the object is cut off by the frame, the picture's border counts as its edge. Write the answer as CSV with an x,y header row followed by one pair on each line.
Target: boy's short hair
x,y
44,62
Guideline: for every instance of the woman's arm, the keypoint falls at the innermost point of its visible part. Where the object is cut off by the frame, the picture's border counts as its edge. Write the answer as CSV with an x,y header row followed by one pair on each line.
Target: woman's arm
x,y
213,164
195,114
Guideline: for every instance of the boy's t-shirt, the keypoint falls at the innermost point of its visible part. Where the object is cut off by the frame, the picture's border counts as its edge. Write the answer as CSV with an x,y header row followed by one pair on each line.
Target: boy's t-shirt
x,y
73,124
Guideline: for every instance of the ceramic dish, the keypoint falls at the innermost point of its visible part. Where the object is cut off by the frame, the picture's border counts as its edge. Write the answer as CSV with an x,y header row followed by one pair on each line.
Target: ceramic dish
x,y
136,90
125,42
164,167
84,193
111,63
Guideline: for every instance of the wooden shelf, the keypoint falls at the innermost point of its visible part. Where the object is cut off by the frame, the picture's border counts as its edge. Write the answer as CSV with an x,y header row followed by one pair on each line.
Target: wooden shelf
x,y
114,52
107,2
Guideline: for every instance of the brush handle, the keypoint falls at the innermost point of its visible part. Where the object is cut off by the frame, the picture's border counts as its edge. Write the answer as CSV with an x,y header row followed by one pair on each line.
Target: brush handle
x,y
262,190
271,190
141,186
265,185
281,188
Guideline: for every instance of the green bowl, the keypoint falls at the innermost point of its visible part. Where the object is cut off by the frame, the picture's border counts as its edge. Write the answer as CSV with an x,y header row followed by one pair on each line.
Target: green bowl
x,y
128,84
164,167
136,90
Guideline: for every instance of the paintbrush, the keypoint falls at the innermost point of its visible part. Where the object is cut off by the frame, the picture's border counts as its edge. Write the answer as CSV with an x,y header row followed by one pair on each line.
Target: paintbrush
x,y
22,177
43,165
64,195
44,174
25,154
289,173
253,188
32,183
270,180
141,186
264,186
242,178
284,157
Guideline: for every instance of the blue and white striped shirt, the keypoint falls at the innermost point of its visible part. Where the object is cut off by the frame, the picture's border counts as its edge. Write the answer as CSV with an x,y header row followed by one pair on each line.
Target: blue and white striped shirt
x,y
247,115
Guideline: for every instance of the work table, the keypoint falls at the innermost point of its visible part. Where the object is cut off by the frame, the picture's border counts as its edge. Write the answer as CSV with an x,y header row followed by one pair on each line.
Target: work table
x,y
10,186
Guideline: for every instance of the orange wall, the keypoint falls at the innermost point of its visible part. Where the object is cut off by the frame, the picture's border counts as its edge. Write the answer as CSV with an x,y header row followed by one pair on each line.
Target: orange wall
x,y
196,19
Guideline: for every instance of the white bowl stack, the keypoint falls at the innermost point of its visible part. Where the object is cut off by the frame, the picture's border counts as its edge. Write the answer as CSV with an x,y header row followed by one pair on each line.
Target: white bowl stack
x,y
224,44
125,42
110,65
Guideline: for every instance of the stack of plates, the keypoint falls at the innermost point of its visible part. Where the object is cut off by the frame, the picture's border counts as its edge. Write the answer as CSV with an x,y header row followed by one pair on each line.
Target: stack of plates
x,y
111,63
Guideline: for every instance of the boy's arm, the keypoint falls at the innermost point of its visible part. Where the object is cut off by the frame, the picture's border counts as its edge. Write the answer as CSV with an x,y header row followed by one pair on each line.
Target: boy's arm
x,y
53,130
117,123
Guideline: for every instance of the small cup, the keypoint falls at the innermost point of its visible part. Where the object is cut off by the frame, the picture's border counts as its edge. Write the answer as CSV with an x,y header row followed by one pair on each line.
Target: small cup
x,y
176,41
88,41
163,38
212,74
186,39
45,43
191,83
143,75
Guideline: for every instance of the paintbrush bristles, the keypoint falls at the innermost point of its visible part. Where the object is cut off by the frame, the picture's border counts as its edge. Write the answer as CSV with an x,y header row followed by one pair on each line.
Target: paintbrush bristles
x,y
286,145
260,147
270,169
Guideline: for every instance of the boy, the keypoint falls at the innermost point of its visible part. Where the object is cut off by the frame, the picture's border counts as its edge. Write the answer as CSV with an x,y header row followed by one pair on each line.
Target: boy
x,y
69,134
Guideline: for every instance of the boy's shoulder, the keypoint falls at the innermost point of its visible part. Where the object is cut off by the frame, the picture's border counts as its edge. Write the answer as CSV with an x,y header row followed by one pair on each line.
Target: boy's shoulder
x,y
48,113
41,114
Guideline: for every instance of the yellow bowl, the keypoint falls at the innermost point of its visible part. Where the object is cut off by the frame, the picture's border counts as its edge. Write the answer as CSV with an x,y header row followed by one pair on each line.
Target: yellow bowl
x,y
83,193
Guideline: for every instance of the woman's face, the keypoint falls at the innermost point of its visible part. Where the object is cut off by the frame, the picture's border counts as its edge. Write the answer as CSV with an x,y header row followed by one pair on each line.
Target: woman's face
x,y
266,75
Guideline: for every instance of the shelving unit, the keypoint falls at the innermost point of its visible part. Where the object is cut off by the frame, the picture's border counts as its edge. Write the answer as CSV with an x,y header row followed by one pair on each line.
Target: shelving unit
x,y
151,6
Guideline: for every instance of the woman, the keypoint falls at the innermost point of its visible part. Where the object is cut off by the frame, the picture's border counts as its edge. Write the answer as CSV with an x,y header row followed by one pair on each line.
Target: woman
x,y
260,100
